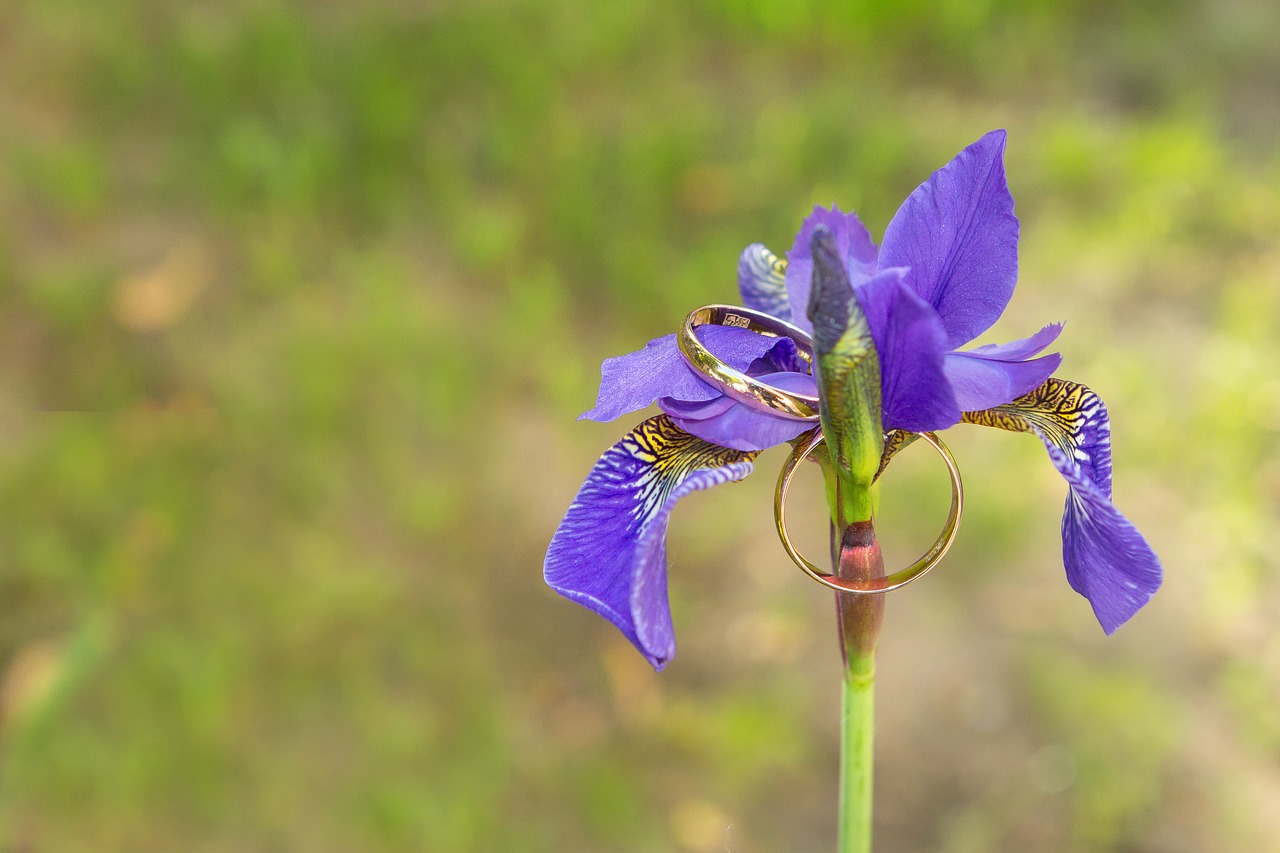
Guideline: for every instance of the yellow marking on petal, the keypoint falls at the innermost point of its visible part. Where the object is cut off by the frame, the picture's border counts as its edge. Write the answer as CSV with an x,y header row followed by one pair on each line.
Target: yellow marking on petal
x,y
672,454
1069,415
1058,408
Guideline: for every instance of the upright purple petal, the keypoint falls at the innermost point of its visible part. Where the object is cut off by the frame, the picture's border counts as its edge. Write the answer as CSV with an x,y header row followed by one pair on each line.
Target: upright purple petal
x,y
957,234
631,382
609,553
853,244
914,392
762,281
1107,560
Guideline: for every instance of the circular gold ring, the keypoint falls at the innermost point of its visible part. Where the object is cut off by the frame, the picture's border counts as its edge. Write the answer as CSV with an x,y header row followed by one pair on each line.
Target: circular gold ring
x,y
899,578
736,384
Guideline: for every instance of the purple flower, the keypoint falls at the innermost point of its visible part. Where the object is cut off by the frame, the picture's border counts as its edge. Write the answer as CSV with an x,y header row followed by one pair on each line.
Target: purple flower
x,y
943,276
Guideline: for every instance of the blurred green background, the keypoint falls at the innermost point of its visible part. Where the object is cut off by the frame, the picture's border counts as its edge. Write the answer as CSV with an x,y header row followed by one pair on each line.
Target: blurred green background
x,y
298,304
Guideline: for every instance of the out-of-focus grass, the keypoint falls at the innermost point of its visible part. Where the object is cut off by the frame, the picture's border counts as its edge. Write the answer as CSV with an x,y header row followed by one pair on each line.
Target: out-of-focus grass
x,y
300,301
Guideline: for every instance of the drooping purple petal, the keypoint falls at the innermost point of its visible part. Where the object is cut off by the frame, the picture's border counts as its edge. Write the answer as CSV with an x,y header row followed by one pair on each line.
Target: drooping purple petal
x,y
732,424
1107,560
914,392
982,383
609,553
762,281
957,234
853,244
1071,415
631,382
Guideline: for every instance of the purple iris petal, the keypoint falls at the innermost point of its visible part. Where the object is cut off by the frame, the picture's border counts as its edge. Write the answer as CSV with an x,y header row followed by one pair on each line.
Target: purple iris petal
x,y
739,426
853,245
914,392
1107,559
1020,350
994,374
983,383
609,553
958,235
695,411
1081,427
631,382
762,281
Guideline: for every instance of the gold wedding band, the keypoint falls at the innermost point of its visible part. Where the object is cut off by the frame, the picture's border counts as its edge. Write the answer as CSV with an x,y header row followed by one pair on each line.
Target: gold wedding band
x,y
879,585
736,384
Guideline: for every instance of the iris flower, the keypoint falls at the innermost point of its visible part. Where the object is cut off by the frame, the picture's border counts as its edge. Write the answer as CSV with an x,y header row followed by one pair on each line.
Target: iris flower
x,y
942,276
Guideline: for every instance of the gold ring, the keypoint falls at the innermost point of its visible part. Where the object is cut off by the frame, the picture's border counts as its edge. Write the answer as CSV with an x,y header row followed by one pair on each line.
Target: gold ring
x,y
735,383
899,578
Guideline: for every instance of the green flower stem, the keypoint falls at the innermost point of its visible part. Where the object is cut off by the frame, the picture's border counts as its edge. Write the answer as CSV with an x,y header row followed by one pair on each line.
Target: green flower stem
x,y
855,555
857,752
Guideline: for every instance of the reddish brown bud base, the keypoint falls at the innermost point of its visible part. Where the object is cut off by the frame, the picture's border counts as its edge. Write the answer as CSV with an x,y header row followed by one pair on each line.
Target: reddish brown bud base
x,y
859,558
